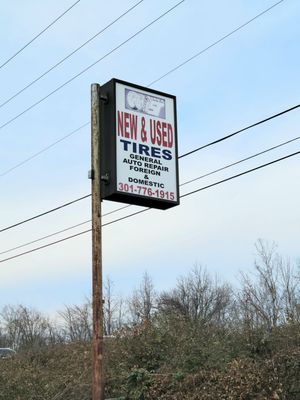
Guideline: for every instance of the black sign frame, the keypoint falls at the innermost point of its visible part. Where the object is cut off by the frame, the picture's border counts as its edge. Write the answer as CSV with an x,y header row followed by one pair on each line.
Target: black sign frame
x,y
108,150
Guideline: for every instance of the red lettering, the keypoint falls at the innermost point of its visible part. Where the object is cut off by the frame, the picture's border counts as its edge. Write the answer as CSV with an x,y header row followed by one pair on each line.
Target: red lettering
x,y
133,126
158,132
120,123
161,133
164,134
152,131
127,125
170,136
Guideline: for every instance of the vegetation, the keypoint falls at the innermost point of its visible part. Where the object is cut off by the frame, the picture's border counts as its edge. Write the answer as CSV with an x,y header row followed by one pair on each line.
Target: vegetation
x,y
200,340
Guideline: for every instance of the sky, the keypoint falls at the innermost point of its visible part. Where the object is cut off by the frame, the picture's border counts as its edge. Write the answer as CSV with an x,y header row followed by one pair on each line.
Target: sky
x,y
249,76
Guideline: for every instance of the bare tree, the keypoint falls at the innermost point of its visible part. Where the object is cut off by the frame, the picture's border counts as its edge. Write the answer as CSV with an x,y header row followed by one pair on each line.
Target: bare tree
x,y
77,322
198,297
290,282
271,296
26,327
77,319
3,338
113,309
143,301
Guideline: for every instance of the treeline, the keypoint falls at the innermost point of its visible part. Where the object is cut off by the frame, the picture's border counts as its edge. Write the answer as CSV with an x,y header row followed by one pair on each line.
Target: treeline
x,y
203,339
266,299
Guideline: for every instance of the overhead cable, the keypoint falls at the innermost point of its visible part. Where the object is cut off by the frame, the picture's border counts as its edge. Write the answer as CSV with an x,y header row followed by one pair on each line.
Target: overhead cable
x,y
241,161
70,54
61,231
39,34
45,245
90,66
181,156
147,209
182,184
130,38
43,150
45,237
161,77
44,213
240,174
221,139
215,43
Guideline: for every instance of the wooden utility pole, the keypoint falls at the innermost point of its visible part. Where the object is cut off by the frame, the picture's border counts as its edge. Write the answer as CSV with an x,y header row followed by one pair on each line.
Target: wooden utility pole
x,y
98,375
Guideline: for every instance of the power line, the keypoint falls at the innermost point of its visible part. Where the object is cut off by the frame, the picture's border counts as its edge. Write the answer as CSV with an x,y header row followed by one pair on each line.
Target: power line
x,y
240,174
158,79
240,130
215,43
90,66
45,213
169,72
39,34
69,55
147,209
70,237
182,184
65,230
195,149
116,210
181,156
127,40
43,150
45,245
242,160
44,237
61,231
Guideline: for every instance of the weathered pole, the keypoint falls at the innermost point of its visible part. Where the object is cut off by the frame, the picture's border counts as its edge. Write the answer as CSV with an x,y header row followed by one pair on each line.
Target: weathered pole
x,y
97,353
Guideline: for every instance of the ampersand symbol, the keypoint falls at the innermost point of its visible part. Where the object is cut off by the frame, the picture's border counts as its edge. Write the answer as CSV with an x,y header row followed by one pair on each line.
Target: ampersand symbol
x,y
143,131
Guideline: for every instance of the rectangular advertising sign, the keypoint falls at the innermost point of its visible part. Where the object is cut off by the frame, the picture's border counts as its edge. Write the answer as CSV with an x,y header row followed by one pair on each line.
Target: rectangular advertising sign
x,y
139,156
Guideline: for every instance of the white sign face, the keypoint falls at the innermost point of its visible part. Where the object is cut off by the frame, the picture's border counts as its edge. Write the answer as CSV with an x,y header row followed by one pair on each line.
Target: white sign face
x,y
145,144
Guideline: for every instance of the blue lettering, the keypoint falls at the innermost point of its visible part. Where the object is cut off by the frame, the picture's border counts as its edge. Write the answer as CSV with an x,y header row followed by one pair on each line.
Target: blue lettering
x,y
143,149
126,143
166,155
155,152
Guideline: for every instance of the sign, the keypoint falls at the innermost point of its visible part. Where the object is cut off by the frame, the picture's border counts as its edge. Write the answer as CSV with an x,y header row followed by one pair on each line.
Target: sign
x,y
139,158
